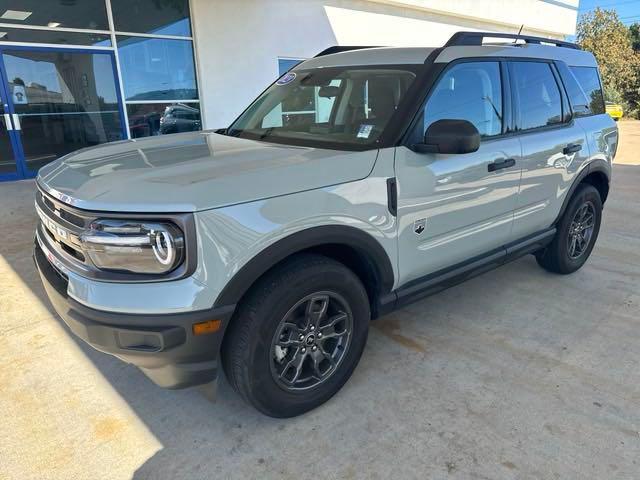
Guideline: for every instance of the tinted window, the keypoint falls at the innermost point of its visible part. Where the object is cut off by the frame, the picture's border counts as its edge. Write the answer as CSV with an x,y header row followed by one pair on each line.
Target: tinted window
x,y
537,95
152,16
588,79
91,14
577,97
468,91
157,69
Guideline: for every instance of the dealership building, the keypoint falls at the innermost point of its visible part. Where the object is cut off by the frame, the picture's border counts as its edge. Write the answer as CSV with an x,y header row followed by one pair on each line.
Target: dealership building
x,y
76,73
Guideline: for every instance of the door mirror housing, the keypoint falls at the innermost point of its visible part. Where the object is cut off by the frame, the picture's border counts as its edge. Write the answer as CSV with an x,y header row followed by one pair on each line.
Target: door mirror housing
x,y
449,136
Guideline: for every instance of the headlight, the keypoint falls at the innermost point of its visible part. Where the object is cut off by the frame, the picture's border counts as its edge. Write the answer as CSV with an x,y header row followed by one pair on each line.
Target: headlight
x,y
132,246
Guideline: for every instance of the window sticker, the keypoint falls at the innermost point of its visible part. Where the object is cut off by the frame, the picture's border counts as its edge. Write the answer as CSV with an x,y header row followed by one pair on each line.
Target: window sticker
x,y
286,78
365,131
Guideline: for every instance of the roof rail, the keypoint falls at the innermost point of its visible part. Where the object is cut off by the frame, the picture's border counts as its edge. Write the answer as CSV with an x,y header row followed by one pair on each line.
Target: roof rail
x,y
475,38
339,49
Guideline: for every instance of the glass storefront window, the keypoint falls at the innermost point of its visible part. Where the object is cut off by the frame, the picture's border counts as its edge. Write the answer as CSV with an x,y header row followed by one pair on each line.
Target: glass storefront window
x,y
148,119
157,68
152,16
64,100
53,36
88,14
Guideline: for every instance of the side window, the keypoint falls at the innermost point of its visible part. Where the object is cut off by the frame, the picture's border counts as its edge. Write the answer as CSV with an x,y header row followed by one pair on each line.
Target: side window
x,y
286,64
588,79
468,91
580,104
536,95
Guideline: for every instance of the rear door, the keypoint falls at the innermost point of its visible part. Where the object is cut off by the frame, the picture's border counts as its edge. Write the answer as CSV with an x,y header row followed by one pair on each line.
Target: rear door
x,y
554,146
454,207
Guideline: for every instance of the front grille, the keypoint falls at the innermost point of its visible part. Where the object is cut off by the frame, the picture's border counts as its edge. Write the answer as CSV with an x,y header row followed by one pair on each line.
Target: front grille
x,y
62,226
65,214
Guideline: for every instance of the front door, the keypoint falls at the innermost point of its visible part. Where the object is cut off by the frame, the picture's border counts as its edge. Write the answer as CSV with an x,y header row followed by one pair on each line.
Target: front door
x,y
55,101
452,208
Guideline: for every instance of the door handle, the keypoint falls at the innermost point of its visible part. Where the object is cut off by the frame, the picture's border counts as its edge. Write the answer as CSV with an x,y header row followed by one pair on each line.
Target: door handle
x,y
16,121
572,148
7,122
500,164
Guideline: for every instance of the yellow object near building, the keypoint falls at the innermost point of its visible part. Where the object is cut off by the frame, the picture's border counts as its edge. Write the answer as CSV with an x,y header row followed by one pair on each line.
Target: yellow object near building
x,y
614,110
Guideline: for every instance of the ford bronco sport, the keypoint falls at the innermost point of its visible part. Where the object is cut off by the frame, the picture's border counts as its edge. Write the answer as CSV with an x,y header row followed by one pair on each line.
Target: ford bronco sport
x,y
361,180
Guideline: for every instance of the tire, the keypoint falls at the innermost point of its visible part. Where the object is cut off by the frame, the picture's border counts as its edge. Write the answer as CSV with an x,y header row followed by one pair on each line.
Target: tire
x,y
560,256
263,347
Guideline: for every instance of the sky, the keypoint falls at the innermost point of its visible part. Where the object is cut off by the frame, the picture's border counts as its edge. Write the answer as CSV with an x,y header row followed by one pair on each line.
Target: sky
x,y
628,10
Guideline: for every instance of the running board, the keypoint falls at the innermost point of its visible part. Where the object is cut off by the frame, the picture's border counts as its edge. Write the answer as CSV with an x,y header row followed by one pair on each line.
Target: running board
x,y
450,276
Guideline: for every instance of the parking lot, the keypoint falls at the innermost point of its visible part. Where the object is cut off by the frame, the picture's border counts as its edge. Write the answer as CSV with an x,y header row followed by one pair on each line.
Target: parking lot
x,y
515,374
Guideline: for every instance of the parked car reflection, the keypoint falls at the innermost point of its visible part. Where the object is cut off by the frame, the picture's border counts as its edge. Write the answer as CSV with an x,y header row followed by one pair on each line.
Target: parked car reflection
x,y
180,118
150,119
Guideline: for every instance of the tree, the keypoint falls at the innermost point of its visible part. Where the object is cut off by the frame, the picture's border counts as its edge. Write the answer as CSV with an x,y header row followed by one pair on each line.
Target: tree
x,y
634,30
602,33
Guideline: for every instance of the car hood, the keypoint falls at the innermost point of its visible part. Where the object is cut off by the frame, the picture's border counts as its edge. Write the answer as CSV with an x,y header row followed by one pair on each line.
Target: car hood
x,y
194,171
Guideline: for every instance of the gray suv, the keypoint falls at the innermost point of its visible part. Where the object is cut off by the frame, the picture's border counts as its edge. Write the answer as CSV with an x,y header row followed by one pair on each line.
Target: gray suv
x,y
361,180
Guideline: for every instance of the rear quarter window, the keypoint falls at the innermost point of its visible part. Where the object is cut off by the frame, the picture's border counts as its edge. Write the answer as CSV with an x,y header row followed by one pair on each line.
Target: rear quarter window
x,y
589,83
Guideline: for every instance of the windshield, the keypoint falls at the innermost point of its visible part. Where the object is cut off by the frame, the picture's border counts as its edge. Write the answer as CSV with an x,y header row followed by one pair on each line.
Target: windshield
x,y
336,107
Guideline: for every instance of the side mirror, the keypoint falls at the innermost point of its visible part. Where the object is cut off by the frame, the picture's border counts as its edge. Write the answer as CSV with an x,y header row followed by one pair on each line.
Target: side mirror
x,y
449,136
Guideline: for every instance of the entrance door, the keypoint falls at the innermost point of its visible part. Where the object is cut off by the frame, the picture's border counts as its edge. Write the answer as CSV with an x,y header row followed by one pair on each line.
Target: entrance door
x,y
57,100
10,167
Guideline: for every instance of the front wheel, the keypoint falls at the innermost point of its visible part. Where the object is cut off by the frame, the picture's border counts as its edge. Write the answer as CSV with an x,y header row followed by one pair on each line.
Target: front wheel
x,y
576,233
298,336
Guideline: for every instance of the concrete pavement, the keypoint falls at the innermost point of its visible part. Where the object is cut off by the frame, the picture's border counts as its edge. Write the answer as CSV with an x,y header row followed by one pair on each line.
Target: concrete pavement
x,y
515,374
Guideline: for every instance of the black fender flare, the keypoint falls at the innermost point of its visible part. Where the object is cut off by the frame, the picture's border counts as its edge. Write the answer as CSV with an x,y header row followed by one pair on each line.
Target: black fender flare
x,y
357,239
597,166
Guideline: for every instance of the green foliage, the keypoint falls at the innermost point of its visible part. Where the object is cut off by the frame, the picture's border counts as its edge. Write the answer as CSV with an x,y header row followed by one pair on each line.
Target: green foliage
x,y
634,31
602,33
612,95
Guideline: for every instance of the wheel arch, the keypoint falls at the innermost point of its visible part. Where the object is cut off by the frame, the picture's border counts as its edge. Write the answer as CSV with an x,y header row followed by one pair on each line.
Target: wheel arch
x,y
353,247
597,174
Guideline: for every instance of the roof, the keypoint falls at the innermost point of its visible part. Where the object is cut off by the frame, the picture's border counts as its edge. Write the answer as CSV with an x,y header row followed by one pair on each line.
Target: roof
x,y
371,56
461,45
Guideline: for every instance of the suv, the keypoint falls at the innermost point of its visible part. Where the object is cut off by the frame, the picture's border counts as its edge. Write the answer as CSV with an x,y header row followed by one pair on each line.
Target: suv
x,y
361,180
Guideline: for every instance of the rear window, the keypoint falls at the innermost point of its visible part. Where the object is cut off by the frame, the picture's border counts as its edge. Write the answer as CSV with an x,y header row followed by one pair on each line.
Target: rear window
x,y
589,81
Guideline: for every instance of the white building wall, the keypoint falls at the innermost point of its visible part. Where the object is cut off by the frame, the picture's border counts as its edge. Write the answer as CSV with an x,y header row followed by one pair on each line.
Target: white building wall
x,y
238,42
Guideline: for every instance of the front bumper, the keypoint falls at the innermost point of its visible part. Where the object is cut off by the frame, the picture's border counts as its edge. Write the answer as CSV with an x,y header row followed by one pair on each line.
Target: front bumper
x,y
163,346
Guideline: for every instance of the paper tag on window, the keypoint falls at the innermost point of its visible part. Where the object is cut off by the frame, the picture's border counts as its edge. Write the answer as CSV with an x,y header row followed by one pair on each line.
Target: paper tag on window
x,y
365,131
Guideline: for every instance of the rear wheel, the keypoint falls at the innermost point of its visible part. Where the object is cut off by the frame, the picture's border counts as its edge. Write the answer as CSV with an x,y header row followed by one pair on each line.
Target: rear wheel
x,y
297,336
576,233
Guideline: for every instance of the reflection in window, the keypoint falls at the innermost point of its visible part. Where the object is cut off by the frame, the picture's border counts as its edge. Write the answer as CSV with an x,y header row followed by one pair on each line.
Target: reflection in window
x,y
157,69
590,82
286,64
160,17
149,119
54,36
90,14
47,82
64,101
333,104
537,95
469,91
